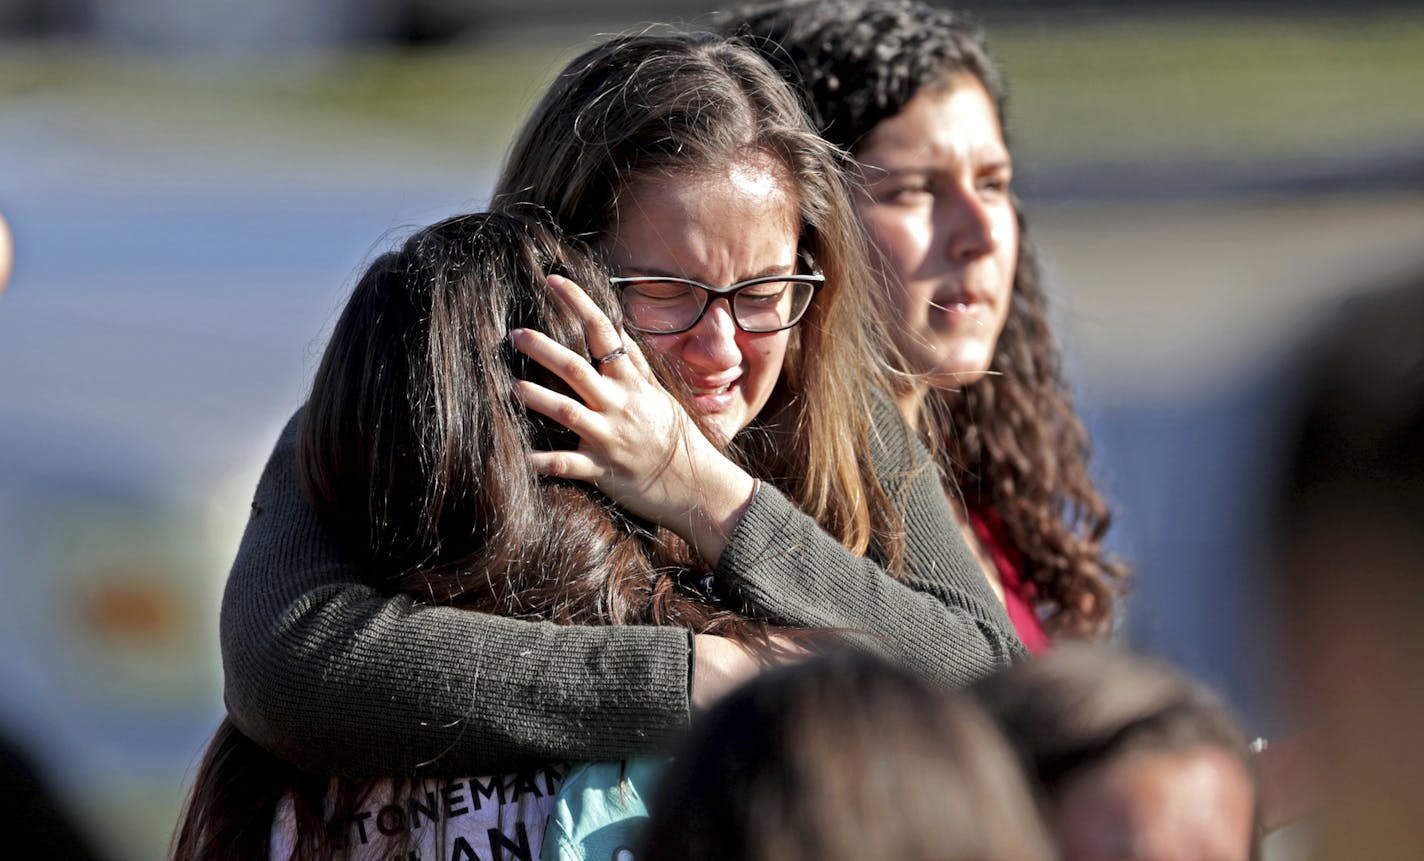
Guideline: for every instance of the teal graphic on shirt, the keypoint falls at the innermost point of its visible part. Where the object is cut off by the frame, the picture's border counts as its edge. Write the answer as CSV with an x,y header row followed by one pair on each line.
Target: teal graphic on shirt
x,y
600,810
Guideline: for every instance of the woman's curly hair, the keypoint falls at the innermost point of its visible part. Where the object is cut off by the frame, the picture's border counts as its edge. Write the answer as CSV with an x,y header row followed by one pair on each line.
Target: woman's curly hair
x,y
1012,443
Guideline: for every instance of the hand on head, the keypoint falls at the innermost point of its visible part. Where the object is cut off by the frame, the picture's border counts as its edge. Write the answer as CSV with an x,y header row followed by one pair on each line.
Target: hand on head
x,y
636,442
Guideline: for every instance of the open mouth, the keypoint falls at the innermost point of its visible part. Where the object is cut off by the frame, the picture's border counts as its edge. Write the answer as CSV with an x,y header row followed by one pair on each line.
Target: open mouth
x,y
713,398
714,390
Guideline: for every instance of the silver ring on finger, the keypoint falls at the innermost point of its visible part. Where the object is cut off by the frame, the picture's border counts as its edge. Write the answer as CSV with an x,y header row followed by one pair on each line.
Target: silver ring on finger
x,y
600,361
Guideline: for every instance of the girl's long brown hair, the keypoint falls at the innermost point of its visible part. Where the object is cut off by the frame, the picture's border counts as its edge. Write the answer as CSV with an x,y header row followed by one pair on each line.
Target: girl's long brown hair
x,y
640,108
1015,448
1012,443
415,452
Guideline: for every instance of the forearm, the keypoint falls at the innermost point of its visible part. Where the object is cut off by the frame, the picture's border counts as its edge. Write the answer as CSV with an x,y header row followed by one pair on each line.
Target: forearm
x,y
943,624
343,679
939,618
355,684
720,496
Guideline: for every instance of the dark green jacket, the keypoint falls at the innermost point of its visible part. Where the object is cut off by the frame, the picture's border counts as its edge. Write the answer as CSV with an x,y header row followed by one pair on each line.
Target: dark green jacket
x,y
344,680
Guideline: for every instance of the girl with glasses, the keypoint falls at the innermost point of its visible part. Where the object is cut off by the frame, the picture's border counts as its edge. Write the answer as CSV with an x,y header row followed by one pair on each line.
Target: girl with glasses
x,y
789,474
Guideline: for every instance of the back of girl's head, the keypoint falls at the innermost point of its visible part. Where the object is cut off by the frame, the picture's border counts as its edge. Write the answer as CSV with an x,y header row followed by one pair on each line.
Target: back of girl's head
x,y
412,421
843,757
859,62
1083,705
416,451
638,110
1353,477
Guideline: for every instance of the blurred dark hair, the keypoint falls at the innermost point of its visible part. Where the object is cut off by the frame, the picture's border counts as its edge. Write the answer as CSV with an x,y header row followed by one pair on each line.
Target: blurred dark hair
x,y
415,451
1082,706
1356,446
35,817
843,757
1012,442
1349,567
639,109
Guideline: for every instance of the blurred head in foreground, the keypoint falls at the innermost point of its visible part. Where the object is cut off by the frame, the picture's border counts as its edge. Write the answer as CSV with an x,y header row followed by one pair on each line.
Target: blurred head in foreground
x,y
7,253
1350,572
1132,759
843,757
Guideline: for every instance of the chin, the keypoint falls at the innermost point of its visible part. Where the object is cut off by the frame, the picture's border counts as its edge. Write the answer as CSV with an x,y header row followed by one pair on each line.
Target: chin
x,y
721,429
959,370
955,380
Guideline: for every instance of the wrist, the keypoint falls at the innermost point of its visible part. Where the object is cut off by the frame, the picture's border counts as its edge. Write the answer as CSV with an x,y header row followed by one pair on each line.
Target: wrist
x,y
719,511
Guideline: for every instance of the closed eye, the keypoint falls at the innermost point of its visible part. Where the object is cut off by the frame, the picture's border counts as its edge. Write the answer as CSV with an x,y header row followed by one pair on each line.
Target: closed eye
x,y
660,290
764,295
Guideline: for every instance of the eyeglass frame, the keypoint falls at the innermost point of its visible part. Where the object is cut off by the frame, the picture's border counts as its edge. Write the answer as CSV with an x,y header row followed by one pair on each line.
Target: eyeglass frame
x,y
712,294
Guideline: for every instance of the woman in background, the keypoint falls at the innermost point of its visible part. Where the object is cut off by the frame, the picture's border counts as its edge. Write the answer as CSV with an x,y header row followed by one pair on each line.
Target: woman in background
x,y
912,93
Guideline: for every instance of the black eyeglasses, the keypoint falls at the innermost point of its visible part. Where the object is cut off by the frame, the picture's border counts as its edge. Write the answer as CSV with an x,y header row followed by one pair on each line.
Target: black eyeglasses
x,y
662,305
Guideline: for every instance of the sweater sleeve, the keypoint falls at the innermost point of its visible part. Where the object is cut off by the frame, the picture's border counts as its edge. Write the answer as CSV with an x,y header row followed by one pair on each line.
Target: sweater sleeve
x,y
941,620
341,679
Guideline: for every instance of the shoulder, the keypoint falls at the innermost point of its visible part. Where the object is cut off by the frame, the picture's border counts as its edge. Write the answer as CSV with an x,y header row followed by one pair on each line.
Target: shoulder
x,y
895,447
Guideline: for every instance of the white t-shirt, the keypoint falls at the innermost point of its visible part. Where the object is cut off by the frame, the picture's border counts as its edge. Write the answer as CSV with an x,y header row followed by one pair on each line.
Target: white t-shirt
x,y
497,818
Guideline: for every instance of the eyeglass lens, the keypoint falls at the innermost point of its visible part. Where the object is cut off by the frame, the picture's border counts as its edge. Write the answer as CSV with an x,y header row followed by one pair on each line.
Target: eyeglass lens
x,y
671,305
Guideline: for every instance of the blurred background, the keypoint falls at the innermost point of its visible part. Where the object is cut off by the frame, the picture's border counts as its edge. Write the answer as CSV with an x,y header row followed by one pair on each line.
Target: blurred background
x,y
194,184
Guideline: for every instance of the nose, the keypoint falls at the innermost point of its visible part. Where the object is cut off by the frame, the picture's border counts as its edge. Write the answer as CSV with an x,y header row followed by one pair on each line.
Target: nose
x,y
711,345
970,226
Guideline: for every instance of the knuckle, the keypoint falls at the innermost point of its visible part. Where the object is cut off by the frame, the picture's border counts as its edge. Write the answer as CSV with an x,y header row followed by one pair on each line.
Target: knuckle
x,y
572,367
567,413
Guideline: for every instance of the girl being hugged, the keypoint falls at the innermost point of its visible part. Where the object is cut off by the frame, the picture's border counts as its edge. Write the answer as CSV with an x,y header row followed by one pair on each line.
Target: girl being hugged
x,y
416,453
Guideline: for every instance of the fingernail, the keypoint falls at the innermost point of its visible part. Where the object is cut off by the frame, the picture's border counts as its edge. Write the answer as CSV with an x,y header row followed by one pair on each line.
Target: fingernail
x,y
554,280
516,335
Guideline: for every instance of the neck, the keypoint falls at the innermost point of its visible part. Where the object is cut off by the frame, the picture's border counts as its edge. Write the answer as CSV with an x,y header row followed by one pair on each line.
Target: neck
x,y
910,397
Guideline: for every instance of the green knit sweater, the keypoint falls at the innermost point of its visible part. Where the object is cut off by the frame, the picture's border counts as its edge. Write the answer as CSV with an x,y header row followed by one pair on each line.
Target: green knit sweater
x,y
342,679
